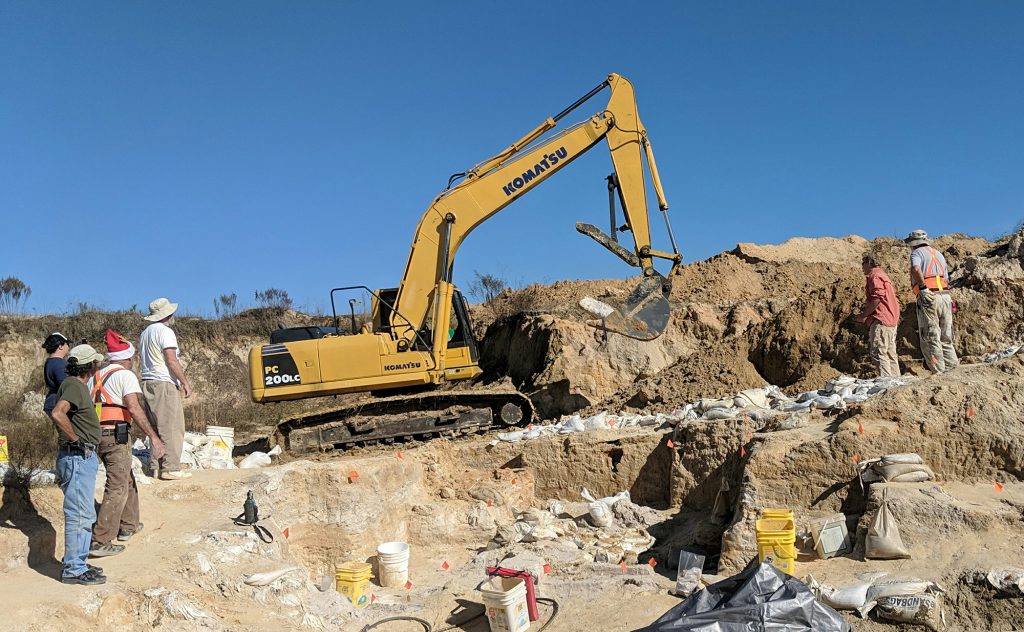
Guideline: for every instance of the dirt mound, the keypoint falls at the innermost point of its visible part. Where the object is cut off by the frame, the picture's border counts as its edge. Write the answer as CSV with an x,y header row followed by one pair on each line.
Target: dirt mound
x,y
844,251
757,314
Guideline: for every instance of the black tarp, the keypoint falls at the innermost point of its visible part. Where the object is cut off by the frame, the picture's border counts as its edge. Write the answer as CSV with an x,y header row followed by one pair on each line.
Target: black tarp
x,y
759,599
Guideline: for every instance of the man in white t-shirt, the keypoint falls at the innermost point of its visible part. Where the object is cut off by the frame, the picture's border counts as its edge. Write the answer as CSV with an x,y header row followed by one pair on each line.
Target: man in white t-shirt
x,y
162,376
118,397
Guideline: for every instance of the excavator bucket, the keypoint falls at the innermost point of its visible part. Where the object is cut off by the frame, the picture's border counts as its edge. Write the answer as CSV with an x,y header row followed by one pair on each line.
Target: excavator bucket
x,y
643,316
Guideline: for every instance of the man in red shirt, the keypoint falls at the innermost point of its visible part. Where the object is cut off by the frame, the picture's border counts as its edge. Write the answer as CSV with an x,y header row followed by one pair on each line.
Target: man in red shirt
x,y
882,311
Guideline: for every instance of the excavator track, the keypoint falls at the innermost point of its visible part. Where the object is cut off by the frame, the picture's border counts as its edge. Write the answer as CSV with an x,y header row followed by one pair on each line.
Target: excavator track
x,y
404,418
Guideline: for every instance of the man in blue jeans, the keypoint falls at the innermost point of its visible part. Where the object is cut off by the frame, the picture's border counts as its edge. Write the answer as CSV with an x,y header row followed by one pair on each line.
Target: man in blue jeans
x,y
78,431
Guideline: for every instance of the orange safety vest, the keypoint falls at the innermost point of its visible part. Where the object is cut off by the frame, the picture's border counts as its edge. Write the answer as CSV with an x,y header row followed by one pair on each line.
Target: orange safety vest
x,y
934,274
108,412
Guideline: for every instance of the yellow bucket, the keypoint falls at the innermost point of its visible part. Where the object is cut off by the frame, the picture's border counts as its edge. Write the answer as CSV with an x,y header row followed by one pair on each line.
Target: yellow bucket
x,y
3,449
777,514
352,580
776,543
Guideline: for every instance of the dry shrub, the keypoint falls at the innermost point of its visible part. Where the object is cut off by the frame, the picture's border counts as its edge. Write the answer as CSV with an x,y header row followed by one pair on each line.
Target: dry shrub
x,y
31,440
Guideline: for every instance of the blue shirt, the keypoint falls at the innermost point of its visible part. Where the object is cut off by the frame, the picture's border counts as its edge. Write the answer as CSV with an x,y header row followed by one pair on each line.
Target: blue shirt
x,y
54,372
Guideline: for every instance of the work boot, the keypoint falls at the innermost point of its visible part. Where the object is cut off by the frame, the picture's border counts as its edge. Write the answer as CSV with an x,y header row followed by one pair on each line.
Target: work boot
x,y
89,578
175,476
124,536
105,550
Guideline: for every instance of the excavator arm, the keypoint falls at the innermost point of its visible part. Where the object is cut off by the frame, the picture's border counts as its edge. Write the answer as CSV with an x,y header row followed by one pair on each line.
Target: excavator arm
x,y
497,182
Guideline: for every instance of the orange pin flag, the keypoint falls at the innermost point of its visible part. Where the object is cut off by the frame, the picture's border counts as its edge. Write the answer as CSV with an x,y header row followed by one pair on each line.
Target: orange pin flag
x,y
547,569
999,487
622,565
444,565
529,428
743,451
286,533
513,481
353,476
398,453
856,458
373,598
671,444
408,585
652,562
970,412
489,503
860,427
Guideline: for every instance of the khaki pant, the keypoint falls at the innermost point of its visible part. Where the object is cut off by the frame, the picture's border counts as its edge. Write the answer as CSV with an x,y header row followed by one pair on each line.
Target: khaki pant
x,y
935,325
120,508
882,346
163,407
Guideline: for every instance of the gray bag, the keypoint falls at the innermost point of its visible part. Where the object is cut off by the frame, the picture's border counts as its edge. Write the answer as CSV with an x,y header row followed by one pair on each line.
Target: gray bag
x,y
760,599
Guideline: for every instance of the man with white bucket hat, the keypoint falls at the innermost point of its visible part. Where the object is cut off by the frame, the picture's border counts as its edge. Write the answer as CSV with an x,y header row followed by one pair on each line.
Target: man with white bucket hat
x,y
162,376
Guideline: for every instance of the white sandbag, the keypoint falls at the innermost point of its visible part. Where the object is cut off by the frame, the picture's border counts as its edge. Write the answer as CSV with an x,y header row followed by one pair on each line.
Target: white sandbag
x,y
893,587
883,541
912,477
905,457
850,597
827,401
721,413
511,437
922,609
1007,580
756,397
792,407
704,405
855,398
894,471
254,461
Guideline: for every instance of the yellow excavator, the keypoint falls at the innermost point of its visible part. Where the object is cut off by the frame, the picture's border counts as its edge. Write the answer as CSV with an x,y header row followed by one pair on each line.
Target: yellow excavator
x,y
419,335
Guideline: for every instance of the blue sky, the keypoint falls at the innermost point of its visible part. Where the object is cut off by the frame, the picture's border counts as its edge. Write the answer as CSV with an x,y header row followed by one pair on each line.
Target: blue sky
x,y
193,148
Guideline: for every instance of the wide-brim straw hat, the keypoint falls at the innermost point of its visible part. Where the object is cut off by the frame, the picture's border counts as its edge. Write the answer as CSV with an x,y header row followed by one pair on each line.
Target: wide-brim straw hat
x,y
160,309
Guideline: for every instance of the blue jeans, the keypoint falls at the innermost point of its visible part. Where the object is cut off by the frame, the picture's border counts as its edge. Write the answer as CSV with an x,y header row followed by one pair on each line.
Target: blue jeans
x,y
76,476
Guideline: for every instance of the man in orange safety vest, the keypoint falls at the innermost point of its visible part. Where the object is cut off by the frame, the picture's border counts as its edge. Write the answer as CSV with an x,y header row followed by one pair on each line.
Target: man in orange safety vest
x,y
929,276
118,396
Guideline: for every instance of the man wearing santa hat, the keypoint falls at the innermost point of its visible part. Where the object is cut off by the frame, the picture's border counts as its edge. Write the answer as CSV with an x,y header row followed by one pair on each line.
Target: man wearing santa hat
x,y
118,397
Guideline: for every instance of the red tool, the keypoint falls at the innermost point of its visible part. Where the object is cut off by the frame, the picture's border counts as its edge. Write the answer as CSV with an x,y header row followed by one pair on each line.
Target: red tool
x,y
531,598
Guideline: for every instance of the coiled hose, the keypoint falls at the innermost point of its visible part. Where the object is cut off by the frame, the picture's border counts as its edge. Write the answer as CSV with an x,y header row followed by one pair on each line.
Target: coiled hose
x,y
428,628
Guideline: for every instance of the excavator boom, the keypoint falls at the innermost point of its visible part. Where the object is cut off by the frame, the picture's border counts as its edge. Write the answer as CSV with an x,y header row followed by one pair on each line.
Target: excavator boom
x,y
498,181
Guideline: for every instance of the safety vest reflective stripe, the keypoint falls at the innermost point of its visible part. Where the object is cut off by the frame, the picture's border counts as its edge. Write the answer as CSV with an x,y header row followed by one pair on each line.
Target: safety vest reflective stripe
x,y
107,409
934,273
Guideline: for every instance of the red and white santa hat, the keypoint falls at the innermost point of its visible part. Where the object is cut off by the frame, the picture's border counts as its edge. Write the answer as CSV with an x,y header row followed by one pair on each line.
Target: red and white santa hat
x,y
118,347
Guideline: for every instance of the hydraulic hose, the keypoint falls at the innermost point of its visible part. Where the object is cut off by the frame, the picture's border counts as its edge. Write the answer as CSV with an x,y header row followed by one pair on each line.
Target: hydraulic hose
x,y
427,627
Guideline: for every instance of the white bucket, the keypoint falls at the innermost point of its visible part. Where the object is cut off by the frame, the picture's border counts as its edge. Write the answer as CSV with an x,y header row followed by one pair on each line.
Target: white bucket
x,y
505,604
393,564
222,444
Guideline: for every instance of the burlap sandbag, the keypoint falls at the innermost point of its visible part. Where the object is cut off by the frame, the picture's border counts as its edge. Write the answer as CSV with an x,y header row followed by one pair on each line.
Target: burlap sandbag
x,y
883,541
